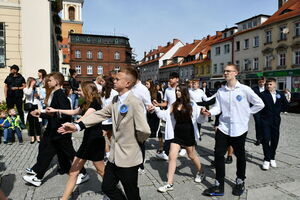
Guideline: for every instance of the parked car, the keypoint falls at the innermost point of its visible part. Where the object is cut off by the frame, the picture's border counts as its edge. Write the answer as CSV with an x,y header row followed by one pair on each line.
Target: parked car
x,y
294,105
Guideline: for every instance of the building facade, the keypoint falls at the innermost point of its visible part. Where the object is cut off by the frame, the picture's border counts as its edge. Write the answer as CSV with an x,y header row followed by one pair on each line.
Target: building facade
x,y
93,55
153,60
281,46
28,39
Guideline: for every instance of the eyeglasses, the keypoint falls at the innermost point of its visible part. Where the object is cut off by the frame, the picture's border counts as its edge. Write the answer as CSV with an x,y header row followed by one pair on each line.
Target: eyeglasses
x,y
228,71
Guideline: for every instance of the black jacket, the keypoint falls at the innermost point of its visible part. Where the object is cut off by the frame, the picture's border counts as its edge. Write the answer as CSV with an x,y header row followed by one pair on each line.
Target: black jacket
x,y
14,81
59,101
74,84
271,112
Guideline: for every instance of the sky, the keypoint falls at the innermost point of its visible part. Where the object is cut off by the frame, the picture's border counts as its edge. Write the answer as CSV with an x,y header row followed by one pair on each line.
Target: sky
x,y
150,23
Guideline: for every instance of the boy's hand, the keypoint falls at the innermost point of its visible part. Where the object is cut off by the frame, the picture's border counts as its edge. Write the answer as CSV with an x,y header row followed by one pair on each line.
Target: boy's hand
x,y
67,128
35,113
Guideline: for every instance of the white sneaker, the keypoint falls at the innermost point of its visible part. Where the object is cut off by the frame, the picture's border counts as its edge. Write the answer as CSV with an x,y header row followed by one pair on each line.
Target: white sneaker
x,y
266,165
182,152
82,178
273,163
30,171
200,176
165,188
141,171
162,156
32,180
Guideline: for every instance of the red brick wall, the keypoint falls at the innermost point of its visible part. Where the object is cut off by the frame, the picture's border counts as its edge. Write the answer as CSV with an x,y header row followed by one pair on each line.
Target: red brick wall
x,y
108,62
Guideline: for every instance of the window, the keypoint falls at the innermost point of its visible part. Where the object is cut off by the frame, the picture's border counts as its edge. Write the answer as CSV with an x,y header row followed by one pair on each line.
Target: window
x,y
297,29
89,55
64,71
282,33
208,70
247,65
218,51
99,70
117,56
256,41
244,26
246,43
116,41
117,68
237,44
77,54
215,68
254,23
77,38
268,60
2,45
71,13
89,70
100,55
268,36
255,63
250,24
226,48
64,56
281,59
88,39
78,69
237,63
297,57
222,67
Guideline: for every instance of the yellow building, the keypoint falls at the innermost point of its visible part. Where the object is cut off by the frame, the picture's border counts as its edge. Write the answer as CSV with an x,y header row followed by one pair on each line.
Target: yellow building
x,y
281,46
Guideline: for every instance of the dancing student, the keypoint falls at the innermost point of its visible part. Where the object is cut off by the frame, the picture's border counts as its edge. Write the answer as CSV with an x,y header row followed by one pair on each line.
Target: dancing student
x,y
32,97
93,142
52,142
107,95
181,128
130,128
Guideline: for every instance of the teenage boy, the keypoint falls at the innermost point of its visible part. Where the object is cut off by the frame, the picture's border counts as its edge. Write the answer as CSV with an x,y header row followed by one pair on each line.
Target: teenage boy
x,y
130,129
275,103
257,117
233,101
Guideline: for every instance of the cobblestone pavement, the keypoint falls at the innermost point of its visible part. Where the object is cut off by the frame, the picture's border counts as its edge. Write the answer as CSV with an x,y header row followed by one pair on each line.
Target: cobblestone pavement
x,y
279,183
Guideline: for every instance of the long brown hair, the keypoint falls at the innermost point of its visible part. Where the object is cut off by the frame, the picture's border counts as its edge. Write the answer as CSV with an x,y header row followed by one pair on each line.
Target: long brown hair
x,y
29,80
109,85
186,110
90,91
152,90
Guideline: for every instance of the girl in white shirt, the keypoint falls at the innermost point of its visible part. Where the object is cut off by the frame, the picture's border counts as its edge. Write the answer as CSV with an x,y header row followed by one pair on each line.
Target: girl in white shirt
x,y
31,97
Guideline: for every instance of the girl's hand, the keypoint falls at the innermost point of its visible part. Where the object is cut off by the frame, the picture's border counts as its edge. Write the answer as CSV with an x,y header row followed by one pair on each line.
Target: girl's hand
x,y
51,110
35,113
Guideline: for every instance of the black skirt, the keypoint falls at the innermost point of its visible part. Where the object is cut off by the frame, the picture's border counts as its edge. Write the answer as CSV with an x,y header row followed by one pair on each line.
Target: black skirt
x,y
93,145
184,134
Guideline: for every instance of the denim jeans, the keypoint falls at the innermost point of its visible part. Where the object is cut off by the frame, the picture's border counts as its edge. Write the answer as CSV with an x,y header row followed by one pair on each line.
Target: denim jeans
x,y
10,134
74,98
5,134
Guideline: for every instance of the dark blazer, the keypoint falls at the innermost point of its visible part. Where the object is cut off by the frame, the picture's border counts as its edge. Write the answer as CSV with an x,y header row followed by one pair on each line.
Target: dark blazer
x,y
207,91
59,101
256,90
271,112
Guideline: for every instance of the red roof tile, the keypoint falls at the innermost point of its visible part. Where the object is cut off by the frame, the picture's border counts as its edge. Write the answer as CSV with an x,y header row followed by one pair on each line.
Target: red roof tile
x,y
282,14
186,49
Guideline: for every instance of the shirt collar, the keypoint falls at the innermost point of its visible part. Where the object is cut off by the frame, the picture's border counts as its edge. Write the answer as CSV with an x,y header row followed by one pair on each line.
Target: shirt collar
x,y
237,85
123,97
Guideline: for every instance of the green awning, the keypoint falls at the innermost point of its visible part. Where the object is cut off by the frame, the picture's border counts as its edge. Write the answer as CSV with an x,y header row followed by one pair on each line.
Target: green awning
x,y
295,72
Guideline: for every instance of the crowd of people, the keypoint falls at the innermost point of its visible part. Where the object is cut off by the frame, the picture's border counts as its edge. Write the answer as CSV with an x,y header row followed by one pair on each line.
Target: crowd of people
x,y
119,113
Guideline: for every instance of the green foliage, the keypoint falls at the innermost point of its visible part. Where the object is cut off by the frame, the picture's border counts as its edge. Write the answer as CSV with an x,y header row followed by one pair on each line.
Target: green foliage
x,y
3,106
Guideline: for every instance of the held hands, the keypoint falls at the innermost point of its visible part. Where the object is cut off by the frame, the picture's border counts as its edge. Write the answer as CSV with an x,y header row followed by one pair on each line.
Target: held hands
x,y
155,103
35,113
14,88
67,128
150,108
205,112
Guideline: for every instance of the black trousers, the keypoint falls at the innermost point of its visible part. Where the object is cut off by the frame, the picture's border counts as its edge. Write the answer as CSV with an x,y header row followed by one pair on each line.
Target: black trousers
x,y
129,179
34,124
143,149
270,140
238,145
12,101
167,144
48,148
258,126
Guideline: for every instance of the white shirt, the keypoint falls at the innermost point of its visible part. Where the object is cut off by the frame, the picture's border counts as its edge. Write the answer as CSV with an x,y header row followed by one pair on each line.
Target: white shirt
x,y
142,92
261,89
235,108
99,87
198,95
170,96
273,96
107,101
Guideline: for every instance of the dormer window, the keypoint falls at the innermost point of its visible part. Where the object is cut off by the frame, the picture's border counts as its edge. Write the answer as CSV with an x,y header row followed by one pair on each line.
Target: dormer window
x,y
71,11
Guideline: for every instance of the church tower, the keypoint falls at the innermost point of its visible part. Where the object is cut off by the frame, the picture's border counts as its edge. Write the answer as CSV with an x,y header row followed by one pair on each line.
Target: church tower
x,y
72,17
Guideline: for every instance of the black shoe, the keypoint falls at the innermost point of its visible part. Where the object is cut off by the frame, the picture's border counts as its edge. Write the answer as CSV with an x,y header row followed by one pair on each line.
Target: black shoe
x,y
228,160
31,142
238,189
257,143
214,191
61,171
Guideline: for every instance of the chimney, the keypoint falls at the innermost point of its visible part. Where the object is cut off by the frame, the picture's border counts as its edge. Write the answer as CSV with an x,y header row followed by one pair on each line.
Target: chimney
x,y
208,36
175,41
281,2
159,47
145,53
168,43
218,33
